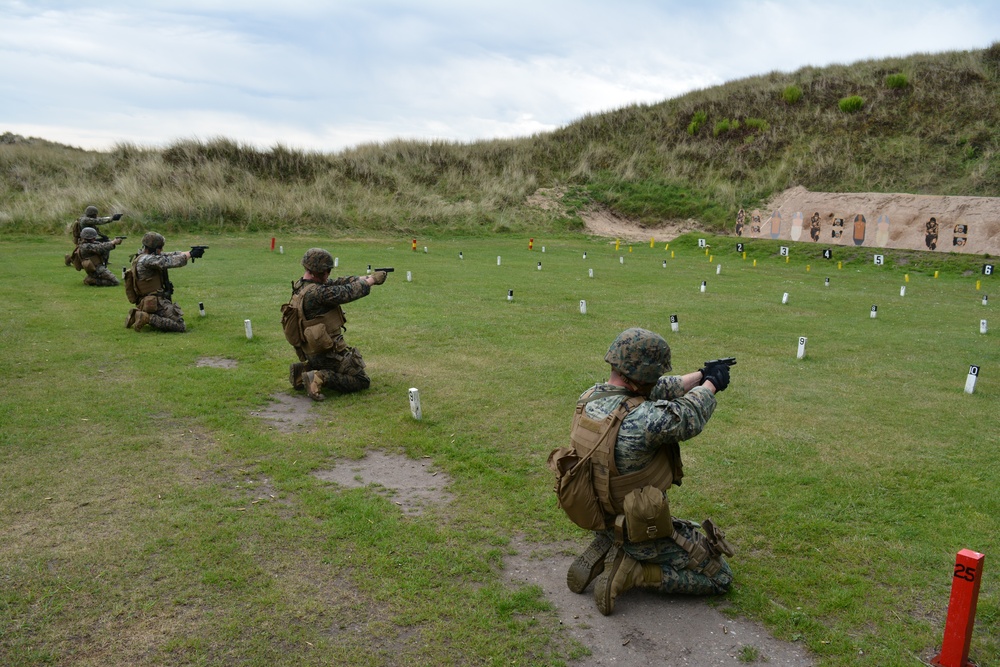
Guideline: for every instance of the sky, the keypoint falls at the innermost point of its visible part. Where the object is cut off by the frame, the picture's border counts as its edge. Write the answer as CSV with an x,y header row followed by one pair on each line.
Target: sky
x,y
325,76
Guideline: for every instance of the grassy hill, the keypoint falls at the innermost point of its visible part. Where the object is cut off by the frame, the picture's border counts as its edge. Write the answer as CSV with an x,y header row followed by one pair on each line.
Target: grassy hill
x,y
926,123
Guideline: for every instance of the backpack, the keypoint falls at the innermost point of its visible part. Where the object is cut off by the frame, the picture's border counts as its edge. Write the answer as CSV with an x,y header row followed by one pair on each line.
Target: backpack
x,y
130,291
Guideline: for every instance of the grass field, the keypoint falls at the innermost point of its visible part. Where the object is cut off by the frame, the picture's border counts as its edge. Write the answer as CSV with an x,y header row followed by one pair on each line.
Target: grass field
x,y
148,518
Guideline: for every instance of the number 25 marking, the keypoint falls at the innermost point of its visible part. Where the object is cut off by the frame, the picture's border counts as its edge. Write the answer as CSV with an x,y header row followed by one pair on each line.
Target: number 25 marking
x,y
965,572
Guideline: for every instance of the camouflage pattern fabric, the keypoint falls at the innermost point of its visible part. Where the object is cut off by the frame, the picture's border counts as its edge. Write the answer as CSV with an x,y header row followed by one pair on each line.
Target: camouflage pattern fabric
x,y
88,222
342,370
167,316
98,254
669,416
639,354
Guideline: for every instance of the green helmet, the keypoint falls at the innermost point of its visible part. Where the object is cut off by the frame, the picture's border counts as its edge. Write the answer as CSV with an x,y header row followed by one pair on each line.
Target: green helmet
x,y
317,260
91,212
640,355
88,234
152,240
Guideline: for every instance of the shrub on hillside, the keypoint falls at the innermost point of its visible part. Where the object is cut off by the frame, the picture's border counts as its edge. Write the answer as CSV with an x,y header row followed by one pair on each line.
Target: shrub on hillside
x,y
851,104
699,119
897,81
725,125
791,94
991,56
757,124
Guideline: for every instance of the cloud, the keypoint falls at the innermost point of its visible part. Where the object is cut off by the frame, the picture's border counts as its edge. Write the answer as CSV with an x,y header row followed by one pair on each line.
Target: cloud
x,y
325,76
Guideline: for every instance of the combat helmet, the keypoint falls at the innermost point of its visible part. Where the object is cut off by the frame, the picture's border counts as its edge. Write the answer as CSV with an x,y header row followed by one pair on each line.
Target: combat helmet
x,y
640,355
91,212
88,234
153,240
317,260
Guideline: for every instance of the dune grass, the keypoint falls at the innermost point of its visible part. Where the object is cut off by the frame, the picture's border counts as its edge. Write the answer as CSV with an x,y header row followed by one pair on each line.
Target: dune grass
x,y
149,517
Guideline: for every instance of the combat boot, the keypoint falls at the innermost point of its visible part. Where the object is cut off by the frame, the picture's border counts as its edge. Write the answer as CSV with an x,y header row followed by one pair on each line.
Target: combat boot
x,y
589,564
130,320
313,384
295,372
622,573
141,320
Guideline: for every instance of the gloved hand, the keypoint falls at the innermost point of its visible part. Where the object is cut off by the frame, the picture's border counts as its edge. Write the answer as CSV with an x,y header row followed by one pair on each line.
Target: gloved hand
x,y
717,375
197,253
380,277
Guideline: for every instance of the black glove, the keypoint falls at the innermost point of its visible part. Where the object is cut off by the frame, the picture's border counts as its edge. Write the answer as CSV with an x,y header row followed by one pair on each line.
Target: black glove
x,y
717,375
117,216
197,253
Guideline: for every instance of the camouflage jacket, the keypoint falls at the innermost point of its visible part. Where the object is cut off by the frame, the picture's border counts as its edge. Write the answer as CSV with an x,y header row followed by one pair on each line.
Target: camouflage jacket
x,y
89,222
319,299
97,252
668,417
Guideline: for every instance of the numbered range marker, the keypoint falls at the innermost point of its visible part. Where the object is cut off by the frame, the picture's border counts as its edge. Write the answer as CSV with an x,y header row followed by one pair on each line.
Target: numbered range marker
x,y
970,380
409,276
987,269
879,260
874,312
718,269
621,259
248,328
583,307
590,272
510,295
539,266
415,403
460,255
498,260
201,309
902,290
982,326
826,283
674,324
784,298
704,284
664,263
336,262
802,348
585,255
784,251
986,300
961,619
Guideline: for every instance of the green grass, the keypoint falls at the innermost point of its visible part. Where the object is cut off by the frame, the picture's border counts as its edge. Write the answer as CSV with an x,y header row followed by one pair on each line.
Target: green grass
x,y
150,518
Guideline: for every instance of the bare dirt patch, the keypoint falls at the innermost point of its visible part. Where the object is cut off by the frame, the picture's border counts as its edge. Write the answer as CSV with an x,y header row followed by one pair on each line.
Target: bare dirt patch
x,y
287,413
217,362
646,628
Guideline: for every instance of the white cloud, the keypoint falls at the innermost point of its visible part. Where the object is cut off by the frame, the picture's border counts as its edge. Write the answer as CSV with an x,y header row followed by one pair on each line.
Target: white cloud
x,y
329,75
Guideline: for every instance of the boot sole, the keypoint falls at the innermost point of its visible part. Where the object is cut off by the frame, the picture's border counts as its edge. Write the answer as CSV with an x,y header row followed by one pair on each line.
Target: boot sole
x,y
588,565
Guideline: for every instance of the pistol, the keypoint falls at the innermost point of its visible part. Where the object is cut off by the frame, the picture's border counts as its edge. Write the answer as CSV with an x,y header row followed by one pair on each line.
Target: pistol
x,y
197,251
121,237
387,269
725,361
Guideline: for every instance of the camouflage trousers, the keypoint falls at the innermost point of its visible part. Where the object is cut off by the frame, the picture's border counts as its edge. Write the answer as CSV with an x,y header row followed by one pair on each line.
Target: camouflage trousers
x,y
101,277
342,371
673,559
164,314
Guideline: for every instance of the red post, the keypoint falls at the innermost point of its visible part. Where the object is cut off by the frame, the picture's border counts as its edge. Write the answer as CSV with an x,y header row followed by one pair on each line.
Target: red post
x,y
272,244
961,610
414,245
531,243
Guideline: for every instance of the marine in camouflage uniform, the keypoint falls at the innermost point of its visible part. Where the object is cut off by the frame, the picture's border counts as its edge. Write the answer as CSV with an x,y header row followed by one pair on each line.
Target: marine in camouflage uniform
x,y
330,363
677,409
88,219
155,306
94,255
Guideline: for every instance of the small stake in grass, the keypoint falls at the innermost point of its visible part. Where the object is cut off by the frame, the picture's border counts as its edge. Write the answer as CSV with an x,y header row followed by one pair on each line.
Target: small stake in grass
x,y
272,244
415,403
201,308
510,295
248,328
664,263
935,274
982,326
906,277
961,619
368,271
336,262
902,290
539,266
409,276
755,262
840,265
460,255
425,250
675,324
826,283
986,299
718,269
621,259
281,250
543,249
590,272
414,245
970,379
874,311
704,284
784,298
977,285
498,260
531,243
802,348
585,255
583,307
